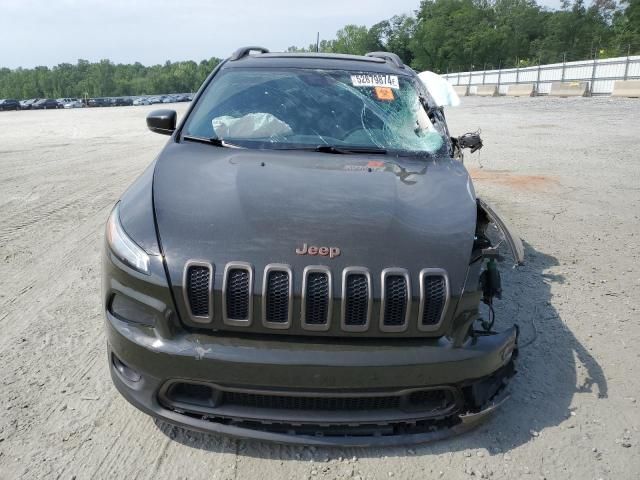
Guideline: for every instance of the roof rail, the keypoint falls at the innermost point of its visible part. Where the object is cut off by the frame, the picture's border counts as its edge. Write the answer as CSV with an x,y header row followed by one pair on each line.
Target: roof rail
x,y
388,56
244,51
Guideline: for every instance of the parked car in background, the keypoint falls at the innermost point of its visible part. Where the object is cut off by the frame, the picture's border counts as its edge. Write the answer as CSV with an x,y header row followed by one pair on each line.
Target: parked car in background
x,y
98,102
64,101
46,104
27,104
74,104
121,102
9,104
142,101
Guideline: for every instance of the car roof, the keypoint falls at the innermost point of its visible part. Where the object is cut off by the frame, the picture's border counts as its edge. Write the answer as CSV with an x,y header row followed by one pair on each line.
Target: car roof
x,y
329,61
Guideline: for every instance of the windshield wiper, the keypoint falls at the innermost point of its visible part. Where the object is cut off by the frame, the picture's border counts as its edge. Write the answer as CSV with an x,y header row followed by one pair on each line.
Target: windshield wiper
x,y
343,150
216,142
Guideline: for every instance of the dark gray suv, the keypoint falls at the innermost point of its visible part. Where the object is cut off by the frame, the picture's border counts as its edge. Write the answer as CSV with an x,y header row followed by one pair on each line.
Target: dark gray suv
x,y
305,260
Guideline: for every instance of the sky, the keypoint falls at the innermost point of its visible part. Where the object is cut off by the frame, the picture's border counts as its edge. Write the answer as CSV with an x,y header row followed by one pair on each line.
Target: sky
x,y
49,32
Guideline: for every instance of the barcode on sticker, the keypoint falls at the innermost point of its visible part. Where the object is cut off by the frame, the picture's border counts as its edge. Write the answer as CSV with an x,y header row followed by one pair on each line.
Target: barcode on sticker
x,y
375,80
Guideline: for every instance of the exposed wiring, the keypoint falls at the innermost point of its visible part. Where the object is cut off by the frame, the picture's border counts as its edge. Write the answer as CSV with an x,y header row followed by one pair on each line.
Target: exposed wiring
x,y
487,326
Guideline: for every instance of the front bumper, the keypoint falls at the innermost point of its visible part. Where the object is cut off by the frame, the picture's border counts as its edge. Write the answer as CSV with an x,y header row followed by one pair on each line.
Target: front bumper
x,y
476,373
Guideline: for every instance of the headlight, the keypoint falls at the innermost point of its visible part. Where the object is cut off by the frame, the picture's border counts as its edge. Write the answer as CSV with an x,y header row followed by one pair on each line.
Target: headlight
x,y
123,247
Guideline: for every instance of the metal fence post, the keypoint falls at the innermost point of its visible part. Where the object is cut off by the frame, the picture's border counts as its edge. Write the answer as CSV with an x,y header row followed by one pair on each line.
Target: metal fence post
x,y
458,82
593,74
484,72
499,75
470,74
564,65
538,79
626,65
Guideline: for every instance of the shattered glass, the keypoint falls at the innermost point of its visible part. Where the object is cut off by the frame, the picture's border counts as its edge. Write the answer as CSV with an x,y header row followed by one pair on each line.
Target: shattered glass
x,y
289,108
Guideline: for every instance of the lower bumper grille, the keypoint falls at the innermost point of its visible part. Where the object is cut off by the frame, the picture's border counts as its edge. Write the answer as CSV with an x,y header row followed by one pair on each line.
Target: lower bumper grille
x,y
209,398
310,403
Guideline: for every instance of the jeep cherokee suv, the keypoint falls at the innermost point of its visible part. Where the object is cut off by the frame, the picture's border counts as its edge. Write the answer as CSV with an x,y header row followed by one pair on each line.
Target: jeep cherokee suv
x,y
305,260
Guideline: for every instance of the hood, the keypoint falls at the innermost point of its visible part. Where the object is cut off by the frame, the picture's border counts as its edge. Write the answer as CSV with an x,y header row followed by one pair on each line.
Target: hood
x,y
223,204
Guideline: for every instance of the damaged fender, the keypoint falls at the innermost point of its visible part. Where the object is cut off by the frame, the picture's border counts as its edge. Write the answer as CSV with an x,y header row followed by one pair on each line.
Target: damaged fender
x,y
513,240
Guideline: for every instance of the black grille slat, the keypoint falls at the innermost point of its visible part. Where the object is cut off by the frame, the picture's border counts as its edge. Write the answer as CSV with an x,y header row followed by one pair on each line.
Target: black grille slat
x,y
434,295
277,297
237,294
357,300
428,397
310,403
395,301
317,298
198,278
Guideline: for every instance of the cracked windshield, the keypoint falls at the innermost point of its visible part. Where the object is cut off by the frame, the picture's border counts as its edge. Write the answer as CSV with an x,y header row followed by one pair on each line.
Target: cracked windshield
x,y
311,109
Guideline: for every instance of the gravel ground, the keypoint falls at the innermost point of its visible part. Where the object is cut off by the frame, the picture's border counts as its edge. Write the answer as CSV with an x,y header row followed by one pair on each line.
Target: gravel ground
x,y
564,172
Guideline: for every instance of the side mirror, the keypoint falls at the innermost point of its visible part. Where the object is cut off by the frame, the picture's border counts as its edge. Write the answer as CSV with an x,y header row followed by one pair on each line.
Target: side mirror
x,y
162,121
472,141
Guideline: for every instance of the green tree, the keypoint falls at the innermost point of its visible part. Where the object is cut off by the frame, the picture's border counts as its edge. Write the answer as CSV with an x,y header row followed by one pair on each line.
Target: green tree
x,y
355,40
394,35
103,78
626,27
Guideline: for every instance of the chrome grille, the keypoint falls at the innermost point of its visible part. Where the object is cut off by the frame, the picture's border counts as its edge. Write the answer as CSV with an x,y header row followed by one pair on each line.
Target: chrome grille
x,y
198,282
395,300
356,299
238,295
277,297
434,294
434,297
399,309
198,291
317,298
237,292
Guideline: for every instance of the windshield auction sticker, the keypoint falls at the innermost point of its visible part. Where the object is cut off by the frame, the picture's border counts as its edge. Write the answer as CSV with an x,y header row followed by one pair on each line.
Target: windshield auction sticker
x,y
375,80
384,93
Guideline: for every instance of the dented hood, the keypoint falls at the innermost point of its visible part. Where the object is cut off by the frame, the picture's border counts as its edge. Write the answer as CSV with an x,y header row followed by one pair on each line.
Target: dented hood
x,y
223,204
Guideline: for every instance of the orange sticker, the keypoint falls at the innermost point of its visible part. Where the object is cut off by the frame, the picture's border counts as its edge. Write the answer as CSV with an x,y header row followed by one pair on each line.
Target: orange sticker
x,y
384,93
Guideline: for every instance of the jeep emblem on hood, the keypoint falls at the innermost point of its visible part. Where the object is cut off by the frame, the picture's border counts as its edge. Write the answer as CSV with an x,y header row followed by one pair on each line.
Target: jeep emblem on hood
x,y
330,252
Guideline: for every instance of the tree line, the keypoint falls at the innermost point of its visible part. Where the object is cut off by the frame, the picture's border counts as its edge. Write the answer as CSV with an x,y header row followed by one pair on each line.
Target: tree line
x,y
103,79
442,35
471,34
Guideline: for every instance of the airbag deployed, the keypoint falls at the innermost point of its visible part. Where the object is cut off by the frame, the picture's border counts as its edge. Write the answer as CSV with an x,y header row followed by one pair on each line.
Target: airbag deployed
x,y
252,125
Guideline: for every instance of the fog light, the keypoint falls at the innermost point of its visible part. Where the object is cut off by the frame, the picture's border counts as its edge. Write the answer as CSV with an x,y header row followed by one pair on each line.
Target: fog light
x,y
127,372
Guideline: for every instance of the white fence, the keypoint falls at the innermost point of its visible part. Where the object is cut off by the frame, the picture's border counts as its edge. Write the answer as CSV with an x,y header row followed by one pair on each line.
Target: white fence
x,y
600,73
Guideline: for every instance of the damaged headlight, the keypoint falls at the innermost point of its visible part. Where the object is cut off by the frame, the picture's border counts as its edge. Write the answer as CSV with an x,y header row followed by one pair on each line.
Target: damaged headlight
x,y
123,247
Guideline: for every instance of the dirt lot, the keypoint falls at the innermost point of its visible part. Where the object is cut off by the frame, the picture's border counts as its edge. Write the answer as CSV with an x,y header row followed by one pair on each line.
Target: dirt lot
x,y
564,172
